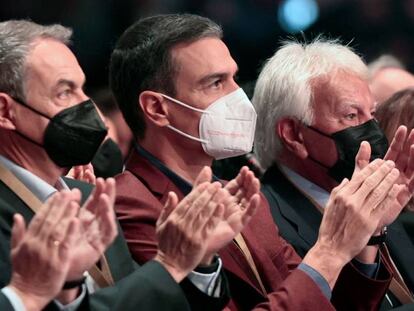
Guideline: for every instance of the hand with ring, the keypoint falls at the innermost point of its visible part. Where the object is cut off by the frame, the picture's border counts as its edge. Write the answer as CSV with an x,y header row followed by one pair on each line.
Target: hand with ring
x,y
240,198
41,253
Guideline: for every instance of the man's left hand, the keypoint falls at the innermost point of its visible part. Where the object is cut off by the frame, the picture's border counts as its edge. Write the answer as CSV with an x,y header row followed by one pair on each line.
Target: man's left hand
x,y
98,228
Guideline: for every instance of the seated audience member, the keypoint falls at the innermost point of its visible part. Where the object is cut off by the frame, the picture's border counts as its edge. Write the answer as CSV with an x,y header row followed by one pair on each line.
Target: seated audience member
x,y
387,75
41,254
173,78
399,110
109,160
48,125
314,111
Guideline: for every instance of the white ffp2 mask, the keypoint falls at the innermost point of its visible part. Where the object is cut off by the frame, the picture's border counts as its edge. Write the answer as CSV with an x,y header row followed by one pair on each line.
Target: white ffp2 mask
x,y
226,127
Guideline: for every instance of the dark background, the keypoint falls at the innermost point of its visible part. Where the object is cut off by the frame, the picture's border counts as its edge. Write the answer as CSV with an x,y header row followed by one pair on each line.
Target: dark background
x,y
251,27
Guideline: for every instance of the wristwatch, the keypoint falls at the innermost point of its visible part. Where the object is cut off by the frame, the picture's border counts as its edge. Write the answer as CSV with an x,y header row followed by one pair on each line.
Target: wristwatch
x,y
378,239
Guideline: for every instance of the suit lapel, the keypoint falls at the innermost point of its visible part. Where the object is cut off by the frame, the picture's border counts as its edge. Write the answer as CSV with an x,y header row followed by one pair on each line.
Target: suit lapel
x,y
293,205
151,177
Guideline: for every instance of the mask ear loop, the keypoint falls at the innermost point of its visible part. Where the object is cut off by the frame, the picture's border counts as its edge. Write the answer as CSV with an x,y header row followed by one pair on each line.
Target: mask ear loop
x,y
184,105
323,134
22,102
191,108
187,135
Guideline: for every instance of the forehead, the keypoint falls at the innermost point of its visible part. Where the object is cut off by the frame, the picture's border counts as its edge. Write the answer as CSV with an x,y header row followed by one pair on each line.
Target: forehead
x,y
341,89
202,57
50,61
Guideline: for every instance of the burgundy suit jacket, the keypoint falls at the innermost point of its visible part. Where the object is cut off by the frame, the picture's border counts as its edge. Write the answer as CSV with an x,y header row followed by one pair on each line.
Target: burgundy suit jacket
x,y
141,192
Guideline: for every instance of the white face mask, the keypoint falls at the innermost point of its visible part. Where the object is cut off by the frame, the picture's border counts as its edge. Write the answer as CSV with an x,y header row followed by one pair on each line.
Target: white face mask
x,y
226,127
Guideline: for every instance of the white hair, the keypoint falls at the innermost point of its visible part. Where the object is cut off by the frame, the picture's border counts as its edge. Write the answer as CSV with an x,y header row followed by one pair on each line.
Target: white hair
x,y
284,88
16,41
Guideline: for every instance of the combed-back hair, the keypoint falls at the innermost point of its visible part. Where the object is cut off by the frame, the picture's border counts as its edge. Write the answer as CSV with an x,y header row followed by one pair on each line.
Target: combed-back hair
x,y
16,41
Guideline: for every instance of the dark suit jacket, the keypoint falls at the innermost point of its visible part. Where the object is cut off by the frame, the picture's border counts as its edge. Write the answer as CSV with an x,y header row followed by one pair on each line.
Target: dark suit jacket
x,y
5,303
141,192
299,220
148,288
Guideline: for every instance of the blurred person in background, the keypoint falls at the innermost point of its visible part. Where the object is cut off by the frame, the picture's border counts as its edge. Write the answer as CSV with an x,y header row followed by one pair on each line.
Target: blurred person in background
x,y
399,110
109,160
387,75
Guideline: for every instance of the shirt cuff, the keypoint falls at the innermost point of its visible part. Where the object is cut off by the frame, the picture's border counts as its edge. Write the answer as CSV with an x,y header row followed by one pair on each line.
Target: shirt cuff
x,y
74,304
370,270
14,299
208,283
318,279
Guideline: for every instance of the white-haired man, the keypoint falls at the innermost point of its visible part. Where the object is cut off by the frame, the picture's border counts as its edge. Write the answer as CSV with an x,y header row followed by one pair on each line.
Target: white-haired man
x,y
314,111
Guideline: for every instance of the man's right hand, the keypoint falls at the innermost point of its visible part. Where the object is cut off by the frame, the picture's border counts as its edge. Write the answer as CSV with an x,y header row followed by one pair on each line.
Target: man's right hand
x,y
240,200
354,211
183,229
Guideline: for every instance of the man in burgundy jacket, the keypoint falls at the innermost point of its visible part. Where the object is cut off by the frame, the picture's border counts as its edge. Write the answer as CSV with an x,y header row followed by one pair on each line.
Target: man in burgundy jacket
x,y
173,78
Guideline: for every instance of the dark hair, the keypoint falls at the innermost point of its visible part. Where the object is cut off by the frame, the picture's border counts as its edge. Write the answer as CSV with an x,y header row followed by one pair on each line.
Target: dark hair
x,y
395,111
105,101
142,60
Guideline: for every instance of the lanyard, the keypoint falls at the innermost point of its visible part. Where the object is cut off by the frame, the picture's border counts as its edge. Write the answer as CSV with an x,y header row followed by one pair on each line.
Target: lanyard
x,y
102,276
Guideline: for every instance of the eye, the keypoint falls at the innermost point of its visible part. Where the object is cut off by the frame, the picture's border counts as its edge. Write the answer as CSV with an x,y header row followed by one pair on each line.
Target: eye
x,y
216,83
351,116
64,94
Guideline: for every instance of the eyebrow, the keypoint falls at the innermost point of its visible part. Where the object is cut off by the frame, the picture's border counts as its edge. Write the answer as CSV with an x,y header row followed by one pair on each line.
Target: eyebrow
x,y
63,82
216,75
66,82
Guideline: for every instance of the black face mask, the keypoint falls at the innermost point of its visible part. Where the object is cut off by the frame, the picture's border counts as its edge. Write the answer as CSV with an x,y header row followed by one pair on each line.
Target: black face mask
x,y
347,143
108,161
72,136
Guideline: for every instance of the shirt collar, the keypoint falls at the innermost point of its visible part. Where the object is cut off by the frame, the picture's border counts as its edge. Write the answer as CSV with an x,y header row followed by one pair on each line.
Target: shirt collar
x,y
182,184
41,189
321,196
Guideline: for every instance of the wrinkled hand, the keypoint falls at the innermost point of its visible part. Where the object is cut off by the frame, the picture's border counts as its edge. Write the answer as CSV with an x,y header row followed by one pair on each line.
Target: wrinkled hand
x,y
401,152
83,173
98,227
354,211
182,230
240,201
42,253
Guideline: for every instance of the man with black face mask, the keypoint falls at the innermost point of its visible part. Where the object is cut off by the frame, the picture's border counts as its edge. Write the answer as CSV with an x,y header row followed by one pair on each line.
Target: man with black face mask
x,y
314,112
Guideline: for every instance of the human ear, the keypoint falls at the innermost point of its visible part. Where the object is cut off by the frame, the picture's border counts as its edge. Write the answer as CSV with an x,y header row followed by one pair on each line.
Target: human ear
x,y
153,107
290,133
6,112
